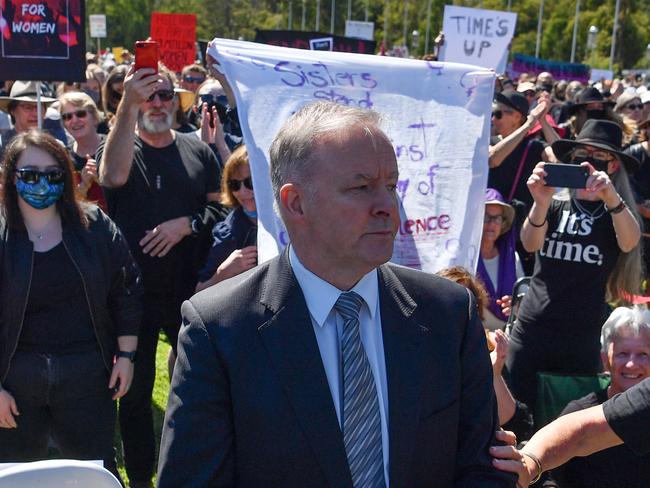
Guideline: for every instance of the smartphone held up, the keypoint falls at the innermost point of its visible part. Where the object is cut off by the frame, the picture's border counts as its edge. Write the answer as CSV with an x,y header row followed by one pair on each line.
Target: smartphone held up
x,y
146,55
561,175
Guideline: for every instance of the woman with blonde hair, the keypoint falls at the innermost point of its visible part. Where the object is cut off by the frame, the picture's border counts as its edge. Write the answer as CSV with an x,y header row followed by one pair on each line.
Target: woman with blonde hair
x,y
587,254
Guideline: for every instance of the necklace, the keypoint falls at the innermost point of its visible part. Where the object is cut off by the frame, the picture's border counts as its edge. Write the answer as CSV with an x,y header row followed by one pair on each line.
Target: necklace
x,y
595,214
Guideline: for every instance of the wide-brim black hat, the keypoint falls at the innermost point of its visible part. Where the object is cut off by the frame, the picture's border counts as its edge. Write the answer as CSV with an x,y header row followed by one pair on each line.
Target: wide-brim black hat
x,y
587,96
602,134
513,100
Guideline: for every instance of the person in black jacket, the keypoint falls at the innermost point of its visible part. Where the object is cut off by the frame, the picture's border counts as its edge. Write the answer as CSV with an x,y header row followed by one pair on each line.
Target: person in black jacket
x,y
234,247
69,312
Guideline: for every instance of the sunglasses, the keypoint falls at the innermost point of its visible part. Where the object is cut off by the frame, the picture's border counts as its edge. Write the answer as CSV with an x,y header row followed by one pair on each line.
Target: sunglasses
x,y
634,106
235,185
80,114
497,219
498,114
193,79
209,98
32,176
163,95
598,157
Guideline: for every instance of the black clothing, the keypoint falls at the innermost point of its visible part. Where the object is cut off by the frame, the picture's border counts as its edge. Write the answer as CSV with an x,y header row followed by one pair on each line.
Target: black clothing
x,y
616,467
628,414
502,177
559,322
164,184
640,181
235,232
57,318
110,276
521,422
567,291
186,128
65,397
79,160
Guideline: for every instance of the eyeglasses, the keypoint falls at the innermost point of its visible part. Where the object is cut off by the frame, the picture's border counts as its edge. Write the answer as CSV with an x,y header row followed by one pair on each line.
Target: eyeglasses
x,y
32,176
634,106
598,157
498,114
193,79
80,114
235,185
497,219
163,95
210,98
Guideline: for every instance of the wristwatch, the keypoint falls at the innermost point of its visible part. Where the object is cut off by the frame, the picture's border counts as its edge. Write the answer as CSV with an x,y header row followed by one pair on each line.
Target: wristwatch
x,y
196,225
127,354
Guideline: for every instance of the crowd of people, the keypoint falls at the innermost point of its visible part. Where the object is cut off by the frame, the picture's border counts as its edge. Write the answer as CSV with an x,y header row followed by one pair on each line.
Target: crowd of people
x,y
137,193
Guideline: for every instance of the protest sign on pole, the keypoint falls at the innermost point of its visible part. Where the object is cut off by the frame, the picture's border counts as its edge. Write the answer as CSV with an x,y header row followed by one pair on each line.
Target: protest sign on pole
x,y
360,30
478,37
97,25
176,36
437,116
43,40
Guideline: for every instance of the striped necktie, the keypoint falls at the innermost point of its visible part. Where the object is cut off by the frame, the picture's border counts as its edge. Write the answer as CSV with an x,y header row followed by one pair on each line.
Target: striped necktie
x,y
361,420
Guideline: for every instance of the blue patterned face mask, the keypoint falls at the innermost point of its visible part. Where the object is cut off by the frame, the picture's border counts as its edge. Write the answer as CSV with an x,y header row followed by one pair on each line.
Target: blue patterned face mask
x,y
249,214
39,195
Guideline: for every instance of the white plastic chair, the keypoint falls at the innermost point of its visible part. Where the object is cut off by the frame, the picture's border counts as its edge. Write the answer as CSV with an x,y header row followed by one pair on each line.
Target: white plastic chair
x,y
58,473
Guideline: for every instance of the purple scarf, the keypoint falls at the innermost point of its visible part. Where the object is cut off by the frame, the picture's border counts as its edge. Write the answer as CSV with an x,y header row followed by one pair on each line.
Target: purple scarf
x,y
507,273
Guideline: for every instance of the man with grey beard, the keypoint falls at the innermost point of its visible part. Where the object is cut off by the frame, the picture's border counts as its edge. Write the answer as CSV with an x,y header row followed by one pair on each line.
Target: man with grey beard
x,y
162,189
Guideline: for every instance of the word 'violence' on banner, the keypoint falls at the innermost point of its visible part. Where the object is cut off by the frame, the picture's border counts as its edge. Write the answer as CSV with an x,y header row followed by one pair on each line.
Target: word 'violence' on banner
x,y
42,40
478,37
176,36
437,116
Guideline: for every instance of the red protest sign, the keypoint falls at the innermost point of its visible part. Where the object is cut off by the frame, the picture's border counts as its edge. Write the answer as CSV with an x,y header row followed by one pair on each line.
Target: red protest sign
x,y
176,35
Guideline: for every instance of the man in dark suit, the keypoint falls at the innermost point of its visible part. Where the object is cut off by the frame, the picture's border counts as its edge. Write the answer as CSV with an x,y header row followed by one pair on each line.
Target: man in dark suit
x,y
326,367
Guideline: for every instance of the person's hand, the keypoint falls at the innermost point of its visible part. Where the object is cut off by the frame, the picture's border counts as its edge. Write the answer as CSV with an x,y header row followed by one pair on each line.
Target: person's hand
x,y
8,410
121,376
140,85
508,458
88,174
162,238
617,89
600,184
240,260
498,356
211,135
538,113
506,304
536,183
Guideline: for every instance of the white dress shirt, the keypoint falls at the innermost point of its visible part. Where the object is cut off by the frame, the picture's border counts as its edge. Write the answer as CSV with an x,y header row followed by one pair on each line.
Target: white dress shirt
x,y
328,327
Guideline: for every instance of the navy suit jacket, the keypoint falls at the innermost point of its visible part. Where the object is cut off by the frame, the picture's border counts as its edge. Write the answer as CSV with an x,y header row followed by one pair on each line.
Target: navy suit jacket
x,y
250,404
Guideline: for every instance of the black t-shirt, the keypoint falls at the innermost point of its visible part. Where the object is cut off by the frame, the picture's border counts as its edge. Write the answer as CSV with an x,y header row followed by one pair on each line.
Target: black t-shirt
x,y
640,179
628,414
57,317
164,184
502,177
567,290
616,467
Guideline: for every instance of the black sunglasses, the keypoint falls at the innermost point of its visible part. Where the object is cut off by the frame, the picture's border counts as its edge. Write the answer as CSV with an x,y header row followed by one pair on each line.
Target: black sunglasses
x,y
80,114
164,95
235,185
633,106
497,114
193,79
32,176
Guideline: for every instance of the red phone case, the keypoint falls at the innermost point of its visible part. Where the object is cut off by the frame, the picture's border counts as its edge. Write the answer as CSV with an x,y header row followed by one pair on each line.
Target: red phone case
x,y
146,55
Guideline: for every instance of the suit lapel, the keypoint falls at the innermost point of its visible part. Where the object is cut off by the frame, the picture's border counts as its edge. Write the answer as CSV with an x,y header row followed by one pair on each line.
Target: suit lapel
x,y
402,338
290,341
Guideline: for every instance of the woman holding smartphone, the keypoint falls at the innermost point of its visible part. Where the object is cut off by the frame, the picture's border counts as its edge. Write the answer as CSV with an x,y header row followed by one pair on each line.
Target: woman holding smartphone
x,y
587,254
69,310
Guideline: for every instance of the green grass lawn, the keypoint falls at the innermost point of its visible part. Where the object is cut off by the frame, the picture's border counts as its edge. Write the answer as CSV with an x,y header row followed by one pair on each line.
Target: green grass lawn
x,y
160,393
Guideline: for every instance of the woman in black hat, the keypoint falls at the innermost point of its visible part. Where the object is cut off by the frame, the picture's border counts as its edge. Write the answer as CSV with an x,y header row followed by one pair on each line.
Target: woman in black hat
x,y
589,104
586,254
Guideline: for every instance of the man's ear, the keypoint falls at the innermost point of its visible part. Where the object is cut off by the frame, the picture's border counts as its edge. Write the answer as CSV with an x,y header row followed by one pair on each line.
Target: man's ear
x,y
605,360
291,201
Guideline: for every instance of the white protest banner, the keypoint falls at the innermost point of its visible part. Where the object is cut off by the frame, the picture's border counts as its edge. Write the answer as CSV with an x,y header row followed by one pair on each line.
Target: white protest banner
x,y
437,116
478,37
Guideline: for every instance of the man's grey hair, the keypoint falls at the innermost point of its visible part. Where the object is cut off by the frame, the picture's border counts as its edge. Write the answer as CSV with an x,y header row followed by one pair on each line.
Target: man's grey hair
x,y
292,150
636,319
